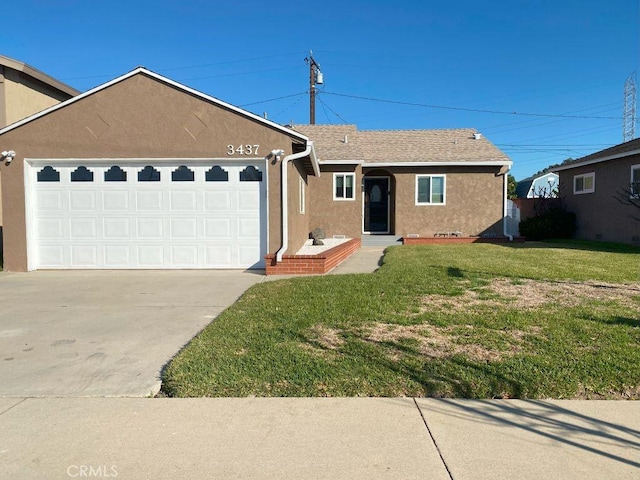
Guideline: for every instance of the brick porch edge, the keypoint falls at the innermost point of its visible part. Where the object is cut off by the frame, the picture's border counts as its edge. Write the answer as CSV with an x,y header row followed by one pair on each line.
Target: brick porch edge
x,y
446,240
311,264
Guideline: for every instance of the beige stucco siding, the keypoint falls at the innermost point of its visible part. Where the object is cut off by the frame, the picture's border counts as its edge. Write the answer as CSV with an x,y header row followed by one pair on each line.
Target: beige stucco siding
x,y
599,215
25,96
139,117
473,203
335,217
298,222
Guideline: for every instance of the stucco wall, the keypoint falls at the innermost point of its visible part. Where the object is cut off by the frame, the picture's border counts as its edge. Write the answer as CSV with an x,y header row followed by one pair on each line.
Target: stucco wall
x,y
474,203
25,96
335,217
139,117
298,222
599,215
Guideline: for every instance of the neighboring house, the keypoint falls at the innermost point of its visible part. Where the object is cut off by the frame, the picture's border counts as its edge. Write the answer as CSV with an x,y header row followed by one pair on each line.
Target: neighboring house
x,y
590,185
25,91
545,185
143,172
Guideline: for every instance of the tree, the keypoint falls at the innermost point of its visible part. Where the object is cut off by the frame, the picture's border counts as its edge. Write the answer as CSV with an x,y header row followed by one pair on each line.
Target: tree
x,y
631,197
511,187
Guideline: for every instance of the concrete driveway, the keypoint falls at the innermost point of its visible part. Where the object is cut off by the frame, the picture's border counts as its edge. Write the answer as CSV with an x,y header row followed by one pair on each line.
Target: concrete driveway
x,y
103,333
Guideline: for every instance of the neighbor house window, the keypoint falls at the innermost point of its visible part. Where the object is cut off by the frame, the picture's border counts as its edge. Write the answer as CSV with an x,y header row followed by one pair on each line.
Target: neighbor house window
x,y
430,189
302,194
635,181
343,186
584,183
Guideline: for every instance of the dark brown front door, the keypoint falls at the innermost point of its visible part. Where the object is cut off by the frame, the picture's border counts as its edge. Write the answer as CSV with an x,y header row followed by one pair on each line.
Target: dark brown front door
x,y
376,205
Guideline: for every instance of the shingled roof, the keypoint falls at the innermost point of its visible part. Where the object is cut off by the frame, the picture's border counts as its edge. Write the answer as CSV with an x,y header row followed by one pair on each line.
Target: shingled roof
x,y
347,143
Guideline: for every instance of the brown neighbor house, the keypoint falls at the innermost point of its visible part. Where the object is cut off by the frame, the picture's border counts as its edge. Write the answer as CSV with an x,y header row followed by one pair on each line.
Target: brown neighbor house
x,y
25,90
143,172
592,188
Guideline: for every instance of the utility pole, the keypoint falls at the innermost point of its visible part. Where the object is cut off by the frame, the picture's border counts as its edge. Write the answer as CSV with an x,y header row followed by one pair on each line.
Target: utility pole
x,y
315,78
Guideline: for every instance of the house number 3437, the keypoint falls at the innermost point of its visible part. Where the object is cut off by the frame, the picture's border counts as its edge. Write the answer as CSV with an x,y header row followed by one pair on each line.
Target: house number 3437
x,y
242,149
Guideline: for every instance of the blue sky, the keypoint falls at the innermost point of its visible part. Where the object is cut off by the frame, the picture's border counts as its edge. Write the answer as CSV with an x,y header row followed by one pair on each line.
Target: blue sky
x,y
413,64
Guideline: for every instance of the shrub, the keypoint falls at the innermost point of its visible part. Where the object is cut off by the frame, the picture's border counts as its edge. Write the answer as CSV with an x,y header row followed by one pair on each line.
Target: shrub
x,y
554,223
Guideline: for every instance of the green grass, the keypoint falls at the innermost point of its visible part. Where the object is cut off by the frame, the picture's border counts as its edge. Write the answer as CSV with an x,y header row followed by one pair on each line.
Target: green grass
x,y
472,321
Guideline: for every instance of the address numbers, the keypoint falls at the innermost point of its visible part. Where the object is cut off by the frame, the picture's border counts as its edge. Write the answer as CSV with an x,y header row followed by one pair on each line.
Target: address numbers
x,y
242,149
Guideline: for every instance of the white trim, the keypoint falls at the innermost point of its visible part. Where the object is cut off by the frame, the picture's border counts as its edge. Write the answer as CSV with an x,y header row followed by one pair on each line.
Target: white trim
x,y
144,71
353,187
635,195
444,190
301,195
597,160
387,231
591,175
341,162
497,163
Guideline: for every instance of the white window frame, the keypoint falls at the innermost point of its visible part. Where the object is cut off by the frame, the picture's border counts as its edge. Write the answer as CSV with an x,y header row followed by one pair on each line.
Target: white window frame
x,y
444,190
344,189
636,193
591,175
301,195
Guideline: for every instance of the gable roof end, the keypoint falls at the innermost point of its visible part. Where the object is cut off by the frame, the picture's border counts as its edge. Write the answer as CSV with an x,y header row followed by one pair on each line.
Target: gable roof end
x,y
38,75
149,73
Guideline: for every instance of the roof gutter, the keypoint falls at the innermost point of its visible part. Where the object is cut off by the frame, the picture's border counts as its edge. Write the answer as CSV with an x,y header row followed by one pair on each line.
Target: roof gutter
x,y
578,163
284,190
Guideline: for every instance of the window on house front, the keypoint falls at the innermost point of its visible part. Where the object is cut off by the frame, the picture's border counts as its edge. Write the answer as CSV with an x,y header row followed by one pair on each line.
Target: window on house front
x,y
115,174
48,174
343,186
635,181
182,174
302,195
584,183
149,174
82,174
430,189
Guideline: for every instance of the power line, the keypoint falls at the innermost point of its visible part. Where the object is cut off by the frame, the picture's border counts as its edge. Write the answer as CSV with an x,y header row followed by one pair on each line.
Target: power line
x,y
272,99
332,111
476,110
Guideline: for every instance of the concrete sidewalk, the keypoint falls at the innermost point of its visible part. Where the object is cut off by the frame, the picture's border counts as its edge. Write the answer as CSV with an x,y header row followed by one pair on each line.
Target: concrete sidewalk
x,y
286,438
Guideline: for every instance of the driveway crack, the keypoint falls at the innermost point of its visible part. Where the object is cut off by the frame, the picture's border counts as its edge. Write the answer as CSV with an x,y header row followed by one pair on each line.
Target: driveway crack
x,y
13,406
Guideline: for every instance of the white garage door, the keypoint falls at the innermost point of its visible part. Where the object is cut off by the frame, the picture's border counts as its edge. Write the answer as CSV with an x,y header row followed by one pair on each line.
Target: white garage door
x,y
112,214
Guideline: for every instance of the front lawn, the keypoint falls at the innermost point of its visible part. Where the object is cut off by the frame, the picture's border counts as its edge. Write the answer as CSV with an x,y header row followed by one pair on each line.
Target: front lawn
x,y
472,321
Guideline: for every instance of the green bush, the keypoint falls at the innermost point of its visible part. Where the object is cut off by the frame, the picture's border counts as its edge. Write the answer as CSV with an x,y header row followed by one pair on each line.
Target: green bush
x,y
555,223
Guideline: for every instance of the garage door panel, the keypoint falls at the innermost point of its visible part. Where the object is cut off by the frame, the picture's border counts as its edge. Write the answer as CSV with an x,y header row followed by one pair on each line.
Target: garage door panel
x,y
115,200
184,256
116,228
217,201
150,256
183,201
248,199
82,200
217,228
49,201
49,228
84,256
149,200
83,228
51,256
184,228
150,228
213,221
248,228
117,256
218,256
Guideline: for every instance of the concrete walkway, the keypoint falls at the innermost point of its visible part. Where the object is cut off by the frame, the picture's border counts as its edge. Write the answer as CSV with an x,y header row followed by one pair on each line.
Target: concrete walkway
x,y
286,438
365,260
